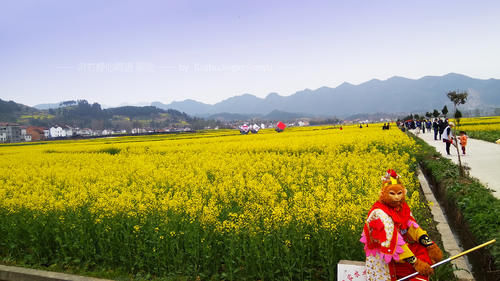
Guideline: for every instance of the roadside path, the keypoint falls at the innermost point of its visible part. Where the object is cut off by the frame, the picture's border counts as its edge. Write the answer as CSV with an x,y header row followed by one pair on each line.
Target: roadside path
x,y
483,159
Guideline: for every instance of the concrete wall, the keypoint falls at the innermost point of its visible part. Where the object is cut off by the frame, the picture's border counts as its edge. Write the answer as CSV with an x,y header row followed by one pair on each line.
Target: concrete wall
x,y
12,273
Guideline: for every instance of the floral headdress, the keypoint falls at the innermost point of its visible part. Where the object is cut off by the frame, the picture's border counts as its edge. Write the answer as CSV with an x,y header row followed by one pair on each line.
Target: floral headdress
x,y
391,177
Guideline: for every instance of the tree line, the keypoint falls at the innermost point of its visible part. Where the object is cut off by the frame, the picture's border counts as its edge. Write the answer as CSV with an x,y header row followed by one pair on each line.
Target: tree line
x,y
82,114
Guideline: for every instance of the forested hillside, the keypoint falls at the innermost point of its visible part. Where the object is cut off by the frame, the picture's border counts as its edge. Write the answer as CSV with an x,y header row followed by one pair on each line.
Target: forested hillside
x,y
11,111
82,114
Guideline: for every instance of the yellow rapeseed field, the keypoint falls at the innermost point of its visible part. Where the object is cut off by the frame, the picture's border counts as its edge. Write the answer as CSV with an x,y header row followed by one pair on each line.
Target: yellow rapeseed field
x,y
490,123
483,128
480,124
214,204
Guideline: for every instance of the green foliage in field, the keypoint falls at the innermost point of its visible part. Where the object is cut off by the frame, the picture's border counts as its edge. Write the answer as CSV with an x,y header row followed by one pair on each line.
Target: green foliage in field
x,y
479,208
40,115
145,241
490,136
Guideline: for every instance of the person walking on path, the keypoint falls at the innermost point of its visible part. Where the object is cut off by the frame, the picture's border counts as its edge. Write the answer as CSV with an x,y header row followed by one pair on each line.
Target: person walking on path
x,y
441,125
463,141
483,160
448,137
435,127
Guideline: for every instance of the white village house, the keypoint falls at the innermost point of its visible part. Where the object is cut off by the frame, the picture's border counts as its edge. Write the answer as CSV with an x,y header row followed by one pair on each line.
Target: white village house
x,y
84,132
24,135
60,131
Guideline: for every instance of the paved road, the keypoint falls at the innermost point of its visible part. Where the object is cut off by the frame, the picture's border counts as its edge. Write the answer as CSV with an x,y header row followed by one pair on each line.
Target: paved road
x,y
482,157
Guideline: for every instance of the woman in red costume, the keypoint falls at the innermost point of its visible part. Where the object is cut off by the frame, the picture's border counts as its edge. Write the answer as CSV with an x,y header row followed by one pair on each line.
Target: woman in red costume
x,y
395,245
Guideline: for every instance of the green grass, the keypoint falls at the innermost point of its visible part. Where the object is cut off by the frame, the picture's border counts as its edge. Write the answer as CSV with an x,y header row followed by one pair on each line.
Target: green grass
x,y
473,208
150,248
444,272
490,136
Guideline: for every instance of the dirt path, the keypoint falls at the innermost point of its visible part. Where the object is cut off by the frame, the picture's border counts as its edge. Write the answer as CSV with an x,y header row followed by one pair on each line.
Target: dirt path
x,y
483,159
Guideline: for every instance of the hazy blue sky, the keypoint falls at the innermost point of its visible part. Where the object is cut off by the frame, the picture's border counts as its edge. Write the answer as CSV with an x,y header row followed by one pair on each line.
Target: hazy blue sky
x,y
115,52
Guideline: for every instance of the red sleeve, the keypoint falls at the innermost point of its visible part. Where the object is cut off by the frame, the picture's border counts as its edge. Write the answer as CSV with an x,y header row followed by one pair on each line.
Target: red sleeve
x,y
377,230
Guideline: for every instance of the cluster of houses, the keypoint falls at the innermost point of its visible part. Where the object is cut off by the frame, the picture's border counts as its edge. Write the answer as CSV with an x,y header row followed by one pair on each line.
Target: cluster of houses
x,y
12,132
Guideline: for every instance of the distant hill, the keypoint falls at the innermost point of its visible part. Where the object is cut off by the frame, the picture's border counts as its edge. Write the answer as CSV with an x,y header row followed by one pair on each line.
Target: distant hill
x,y
137,111
396,94
11,111
224,116
271,116
379,116
282,115
186,106
85,115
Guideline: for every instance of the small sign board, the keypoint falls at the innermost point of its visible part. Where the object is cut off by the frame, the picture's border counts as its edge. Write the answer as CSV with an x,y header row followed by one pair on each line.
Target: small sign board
x,y
351,271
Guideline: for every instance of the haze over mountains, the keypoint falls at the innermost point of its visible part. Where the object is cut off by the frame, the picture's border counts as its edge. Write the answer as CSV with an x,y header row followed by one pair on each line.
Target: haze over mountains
x,y
396,94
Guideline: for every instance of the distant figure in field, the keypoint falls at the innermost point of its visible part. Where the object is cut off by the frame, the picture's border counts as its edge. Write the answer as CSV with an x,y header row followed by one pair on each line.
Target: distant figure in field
x,y
244,129
254,128
463,140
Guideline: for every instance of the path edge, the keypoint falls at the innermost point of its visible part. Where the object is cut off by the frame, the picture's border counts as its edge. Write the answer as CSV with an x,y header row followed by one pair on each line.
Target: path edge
x,y
14,273
450,242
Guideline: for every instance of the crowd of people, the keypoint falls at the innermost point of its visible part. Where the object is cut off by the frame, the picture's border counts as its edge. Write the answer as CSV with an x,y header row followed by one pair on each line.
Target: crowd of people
x,y
442,129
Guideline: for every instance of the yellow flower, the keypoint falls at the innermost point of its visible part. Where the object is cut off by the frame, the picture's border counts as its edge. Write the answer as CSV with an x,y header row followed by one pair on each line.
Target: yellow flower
x,y
287,243
314,176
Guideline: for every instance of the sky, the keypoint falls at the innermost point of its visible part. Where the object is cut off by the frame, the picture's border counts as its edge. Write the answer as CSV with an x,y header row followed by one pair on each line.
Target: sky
x,y
137,52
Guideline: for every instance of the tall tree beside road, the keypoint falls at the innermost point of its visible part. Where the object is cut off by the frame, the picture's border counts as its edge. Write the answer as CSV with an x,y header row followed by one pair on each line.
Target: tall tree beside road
x,y
458,98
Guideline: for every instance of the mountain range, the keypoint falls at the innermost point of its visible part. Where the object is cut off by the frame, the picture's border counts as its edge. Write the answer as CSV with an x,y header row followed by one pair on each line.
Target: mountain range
x,y
394,95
